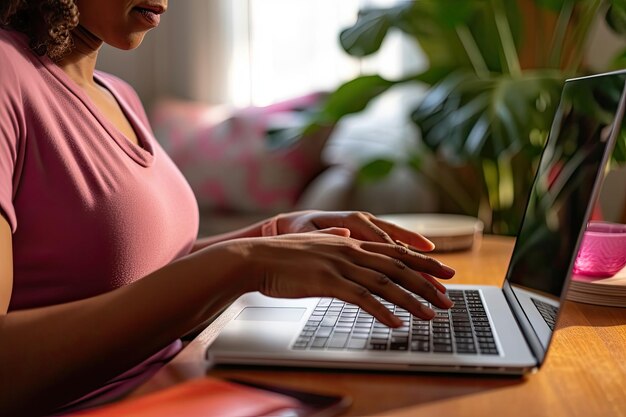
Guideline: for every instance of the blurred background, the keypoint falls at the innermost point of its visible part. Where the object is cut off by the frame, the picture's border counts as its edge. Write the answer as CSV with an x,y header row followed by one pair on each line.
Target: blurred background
x,y
386,106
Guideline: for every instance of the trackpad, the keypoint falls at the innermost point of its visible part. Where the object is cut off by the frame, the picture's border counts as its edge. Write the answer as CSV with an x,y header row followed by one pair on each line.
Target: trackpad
x,y
271,314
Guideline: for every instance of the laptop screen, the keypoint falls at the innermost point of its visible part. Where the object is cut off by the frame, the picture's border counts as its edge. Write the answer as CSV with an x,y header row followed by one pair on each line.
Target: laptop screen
x,y
565,188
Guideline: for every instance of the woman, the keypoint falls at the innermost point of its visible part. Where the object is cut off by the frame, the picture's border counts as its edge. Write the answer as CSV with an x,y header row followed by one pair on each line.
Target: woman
x,y
101,273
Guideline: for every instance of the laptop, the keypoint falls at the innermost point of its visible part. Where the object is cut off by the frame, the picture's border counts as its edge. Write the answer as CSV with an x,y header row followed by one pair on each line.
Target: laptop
x,y
494,330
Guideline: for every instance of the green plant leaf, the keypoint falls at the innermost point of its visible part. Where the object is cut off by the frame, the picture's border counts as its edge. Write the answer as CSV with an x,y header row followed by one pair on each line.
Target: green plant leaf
x,y
467,118
375,170
616,16
451,13
367,34
354,96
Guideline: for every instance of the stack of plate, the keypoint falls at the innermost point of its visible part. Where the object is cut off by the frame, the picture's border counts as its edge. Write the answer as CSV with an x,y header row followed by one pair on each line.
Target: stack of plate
x,y
449,232
600,291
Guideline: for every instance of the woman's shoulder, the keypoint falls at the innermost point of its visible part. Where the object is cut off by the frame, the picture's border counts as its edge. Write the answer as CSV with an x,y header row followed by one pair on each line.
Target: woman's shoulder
x,y
16,58
13,45
16,67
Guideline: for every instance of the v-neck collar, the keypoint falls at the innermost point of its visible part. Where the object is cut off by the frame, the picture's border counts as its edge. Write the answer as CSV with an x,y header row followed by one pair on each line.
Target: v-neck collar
x,y
144,154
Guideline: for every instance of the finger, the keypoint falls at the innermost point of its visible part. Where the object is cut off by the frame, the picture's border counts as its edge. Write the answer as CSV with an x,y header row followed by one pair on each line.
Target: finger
x,y
330,283
415,240
413,248
440,287
411,279
364,229
338,231
383,286
411,259
361,296
420,284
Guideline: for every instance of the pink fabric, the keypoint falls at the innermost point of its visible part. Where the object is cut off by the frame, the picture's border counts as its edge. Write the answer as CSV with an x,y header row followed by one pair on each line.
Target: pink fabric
x,y
228,158
89,210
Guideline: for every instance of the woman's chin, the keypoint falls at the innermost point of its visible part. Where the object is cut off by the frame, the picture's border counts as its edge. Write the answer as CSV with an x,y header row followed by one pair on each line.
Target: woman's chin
x,y
131,41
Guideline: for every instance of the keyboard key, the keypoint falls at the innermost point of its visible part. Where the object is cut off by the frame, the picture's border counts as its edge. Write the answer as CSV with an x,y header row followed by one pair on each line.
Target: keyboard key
x,y
377,346
399,339
339,329
319,342
364,330
337,341
399,346
328,321
324,331
442,348
357,343
417,346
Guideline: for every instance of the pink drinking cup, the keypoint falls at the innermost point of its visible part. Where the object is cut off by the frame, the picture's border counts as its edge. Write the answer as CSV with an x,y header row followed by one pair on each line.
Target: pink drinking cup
x,y
603,250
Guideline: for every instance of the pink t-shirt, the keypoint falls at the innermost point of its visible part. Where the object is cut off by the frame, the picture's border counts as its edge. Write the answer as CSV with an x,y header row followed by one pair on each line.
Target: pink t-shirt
x,y
89,210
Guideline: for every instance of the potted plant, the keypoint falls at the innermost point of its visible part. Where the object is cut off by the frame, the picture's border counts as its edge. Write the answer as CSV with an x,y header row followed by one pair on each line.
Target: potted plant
x,y
485,118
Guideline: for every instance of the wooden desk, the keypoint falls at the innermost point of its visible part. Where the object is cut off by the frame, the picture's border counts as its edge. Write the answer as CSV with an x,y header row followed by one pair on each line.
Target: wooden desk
x,y
584,374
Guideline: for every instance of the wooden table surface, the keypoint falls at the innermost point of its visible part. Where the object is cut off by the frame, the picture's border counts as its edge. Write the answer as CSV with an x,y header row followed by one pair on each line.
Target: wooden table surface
x,y
584,373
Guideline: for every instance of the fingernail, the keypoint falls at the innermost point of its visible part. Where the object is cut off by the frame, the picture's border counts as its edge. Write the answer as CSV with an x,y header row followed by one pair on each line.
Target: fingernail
x,y
430,313
432,245
444,299
448,271
433,281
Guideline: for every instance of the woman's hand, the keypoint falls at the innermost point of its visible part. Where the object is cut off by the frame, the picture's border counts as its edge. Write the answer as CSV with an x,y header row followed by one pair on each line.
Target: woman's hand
x,y
363,226
329,264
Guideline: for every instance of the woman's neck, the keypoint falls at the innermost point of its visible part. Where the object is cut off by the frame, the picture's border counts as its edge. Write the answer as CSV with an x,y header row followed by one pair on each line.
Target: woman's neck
x,y
80,63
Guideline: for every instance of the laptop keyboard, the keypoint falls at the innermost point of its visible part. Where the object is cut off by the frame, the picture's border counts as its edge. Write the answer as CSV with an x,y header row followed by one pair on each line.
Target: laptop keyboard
x,y
547,311
464,329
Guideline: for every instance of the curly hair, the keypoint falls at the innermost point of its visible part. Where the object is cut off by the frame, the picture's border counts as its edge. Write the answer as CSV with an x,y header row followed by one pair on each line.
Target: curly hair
x,y
47,23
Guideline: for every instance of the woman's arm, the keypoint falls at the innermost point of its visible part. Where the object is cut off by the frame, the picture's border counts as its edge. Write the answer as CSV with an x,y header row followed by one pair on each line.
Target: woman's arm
x,y
55,354
361,225
250,231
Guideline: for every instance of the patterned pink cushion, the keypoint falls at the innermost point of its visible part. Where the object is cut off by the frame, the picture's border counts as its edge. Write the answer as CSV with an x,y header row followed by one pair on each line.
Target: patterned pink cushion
x,y
230,157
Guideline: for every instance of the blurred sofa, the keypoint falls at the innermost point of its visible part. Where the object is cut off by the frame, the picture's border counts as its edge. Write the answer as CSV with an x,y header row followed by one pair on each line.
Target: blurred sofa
x,y
248,164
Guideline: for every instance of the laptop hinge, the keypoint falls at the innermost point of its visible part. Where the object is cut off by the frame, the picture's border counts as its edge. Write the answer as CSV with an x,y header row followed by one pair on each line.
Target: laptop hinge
x,y
538,351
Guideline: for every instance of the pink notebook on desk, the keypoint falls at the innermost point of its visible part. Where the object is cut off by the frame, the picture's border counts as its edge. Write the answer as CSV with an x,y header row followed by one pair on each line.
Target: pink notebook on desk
x,y
215,397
